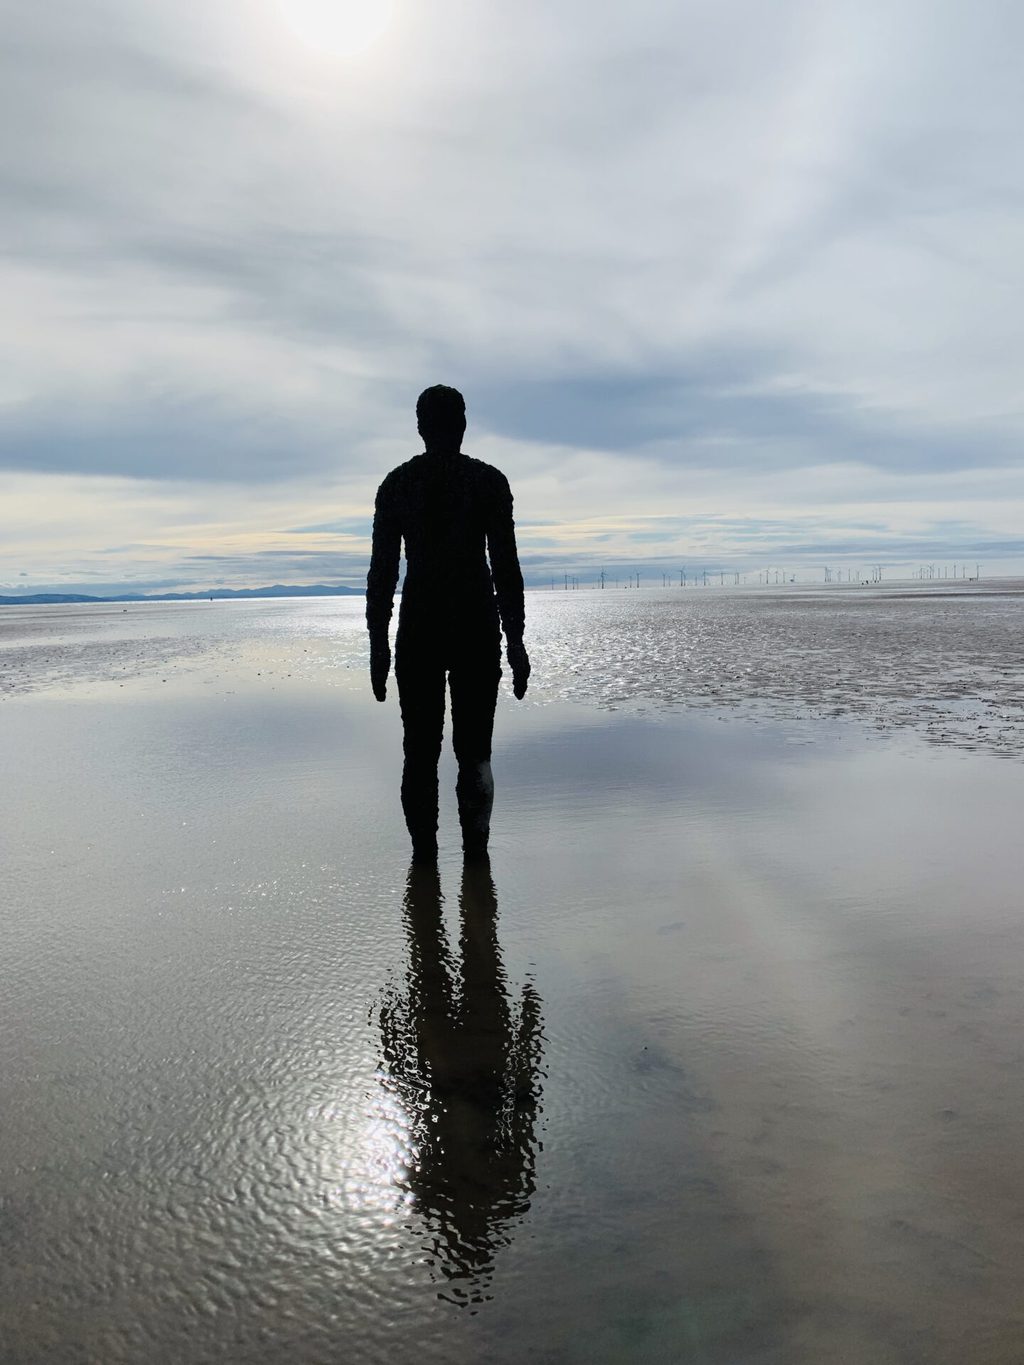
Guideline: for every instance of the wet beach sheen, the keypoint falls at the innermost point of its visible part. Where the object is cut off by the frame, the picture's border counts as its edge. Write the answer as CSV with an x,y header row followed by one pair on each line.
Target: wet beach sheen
x,y
719,1060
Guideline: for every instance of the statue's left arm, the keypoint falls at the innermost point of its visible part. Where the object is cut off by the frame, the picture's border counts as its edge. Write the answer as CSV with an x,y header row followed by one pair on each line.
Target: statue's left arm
x,y
508,581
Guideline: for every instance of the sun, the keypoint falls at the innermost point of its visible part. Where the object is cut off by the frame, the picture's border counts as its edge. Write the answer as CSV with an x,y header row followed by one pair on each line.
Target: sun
x,y
343,28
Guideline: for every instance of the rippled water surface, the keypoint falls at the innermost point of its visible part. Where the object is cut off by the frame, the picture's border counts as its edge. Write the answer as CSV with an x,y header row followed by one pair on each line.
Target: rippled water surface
x,y
719,1060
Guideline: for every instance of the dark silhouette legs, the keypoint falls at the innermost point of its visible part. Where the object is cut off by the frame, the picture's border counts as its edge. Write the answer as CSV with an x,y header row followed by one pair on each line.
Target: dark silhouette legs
x,y
474,688
421,697
473,679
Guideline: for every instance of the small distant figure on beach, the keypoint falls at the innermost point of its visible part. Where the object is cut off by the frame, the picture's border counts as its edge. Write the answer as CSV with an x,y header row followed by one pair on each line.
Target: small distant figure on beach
x,y
453,513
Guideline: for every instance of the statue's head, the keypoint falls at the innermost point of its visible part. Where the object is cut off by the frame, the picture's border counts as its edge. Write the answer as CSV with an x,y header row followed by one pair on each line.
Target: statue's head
x,y
441,417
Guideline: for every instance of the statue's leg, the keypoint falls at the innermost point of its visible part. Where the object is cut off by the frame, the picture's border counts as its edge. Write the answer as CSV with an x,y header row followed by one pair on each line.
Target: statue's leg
x,y
421,681
474,685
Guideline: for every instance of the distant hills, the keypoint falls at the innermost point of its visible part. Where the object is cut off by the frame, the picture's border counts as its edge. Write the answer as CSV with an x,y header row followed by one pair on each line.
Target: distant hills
x,y
42,599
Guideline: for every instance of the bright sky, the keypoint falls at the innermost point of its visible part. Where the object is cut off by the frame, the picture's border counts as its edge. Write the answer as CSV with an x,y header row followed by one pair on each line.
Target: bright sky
x,y
725,283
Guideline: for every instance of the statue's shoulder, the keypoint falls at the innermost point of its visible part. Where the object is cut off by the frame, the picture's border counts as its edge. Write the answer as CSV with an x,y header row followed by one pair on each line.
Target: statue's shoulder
x,y
487,474
403,474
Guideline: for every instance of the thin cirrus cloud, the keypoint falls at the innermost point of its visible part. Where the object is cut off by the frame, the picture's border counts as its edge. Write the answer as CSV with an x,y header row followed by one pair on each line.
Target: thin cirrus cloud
x,y
754,266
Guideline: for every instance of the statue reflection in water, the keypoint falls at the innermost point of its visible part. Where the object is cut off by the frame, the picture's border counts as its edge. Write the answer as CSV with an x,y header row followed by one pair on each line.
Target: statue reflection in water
x,y
464,1062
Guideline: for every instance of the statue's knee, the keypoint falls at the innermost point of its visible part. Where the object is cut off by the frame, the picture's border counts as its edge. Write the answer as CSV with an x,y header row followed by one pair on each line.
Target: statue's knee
x,y
477,777
422,750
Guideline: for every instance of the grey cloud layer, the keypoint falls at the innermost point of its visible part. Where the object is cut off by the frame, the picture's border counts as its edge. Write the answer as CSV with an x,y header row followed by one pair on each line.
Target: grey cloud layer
x,y
704,236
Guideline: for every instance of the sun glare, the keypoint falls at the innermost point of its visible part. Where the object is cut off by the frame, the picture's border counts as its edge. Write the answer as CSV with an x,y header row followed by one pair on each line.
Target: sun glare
x,y
343,28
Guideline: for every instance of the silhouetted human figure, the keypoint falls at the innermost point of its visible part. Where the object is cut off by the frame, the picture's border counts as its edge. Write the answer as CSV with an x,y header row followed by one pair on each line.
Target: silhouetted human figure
x,y
465,1066
452,512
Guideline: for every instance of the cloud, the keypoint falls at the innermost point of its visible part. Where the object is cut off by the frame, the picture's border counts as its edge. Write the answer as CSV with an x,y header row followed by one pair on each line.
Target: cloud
x,y
737,257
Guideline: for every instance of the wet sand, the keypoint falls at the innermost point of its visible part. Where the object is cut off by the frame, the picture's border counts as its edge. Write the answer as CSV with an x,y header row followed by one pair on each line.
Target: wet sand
x,y
719,1061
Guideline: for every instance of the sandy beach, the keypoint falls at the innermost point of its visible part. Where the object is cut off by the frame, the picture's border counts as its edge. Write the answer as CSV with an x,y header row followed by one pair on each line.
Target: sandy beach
x,y
741,992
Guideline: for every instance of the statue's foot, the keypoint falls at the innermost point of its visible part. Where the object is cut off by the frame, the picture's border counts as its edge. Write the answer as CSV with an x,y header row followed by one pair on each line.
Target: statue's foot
x,y
474,845
424,849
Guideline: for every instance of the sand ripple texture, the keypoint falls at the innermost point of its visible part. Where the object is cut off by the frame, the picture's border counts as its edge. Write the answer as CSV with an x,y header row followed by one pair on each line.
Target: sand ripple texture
x,y
949,666
54,648
64,647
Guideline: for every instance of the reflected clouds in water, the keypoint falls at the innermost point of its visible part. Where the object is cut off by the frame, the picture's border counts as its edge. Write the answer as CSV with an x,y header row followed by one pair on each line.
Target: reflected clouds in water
x,y
463,1060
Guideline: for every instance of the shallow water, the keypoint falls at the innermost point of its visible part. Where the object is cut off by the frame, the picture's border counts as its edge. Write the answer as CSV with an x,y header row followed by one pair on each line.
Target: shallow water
x,y
720,1062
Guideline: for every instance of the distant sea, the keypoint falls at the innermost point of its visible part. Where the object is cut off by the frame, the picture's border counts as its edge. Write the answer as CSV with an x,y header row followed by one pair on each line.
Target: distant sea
x,y
213,594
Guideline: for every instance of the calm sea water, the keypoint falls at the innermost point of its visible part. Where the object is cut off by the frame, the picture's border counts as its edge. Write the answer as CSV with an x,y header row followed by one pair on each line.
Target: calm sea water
x,y
719,1061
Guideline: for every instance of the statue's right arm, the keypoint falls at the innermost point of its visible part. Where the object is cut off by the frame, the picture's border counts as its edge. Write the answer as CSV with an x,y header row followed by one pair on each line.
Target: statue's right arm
x,y
381,582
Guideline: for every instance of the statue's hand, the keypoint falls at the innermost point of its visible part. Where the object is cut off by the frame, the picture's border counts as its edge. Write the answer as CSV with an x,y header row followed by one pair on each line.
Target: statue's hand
x,y
519,662
380,666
